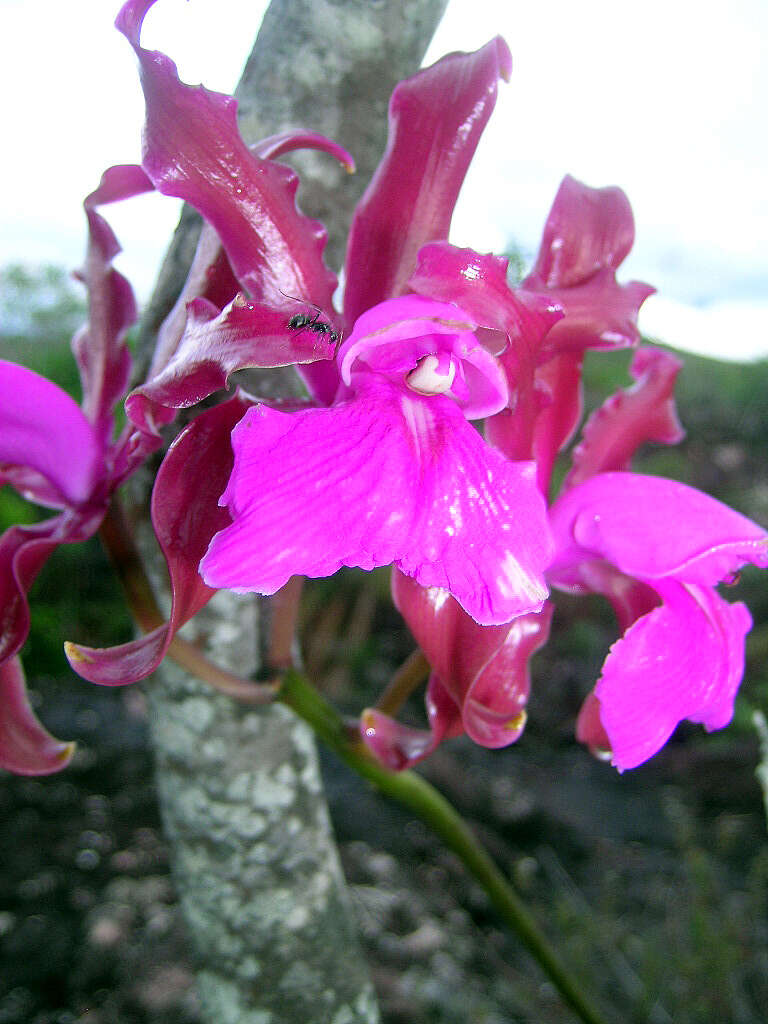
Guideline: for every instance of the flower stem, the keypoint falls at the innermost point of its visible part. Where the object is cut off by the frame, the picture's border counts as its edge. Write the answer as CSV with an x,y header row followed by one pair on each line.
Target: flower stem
x,y
411,673
419,796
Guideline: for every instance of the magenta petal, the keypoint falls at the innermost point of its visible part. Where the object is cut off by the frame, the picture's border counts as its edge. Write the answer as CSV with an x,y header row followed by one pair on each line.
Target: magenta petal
x,y
103,357
588,229
599,314
193,150
559,384
312,491
650,528
392,337
644,412
478,283
493,713
32,485
684,660
453,643
24,550
287,142
216,344
123,664
43,428
483,668
123,181
384,477
436,119
587,235
185,515
26,747
210,277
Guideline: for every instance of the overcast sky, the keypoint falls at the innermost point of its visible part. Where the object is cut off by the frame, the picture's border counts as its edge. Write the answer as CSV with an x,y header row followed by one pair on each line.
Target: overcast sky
x,y
666,99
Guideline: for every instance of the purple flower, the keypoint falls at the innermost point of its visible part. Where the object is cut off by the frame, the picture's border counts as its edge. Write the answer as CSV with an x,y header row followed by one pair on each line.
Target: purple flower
x,y
61,457
385,467
392,472
571,301
657,549
381,465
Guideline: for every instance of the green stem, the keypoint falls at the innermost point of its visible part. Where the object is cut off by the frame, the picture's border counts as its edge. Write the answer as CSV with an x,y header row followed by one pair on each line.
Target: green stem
x,y
419,796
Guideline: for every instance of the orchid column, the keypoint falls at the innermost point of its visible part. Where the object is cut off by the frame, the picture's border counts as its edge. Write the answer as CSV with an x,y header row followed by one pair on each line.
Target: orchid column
x,y
254,856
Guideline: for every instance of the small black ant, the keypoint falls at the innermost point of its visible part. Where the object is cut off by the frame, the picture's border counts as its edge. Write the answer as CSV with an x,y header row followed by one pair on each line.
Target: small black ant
x,y
301,320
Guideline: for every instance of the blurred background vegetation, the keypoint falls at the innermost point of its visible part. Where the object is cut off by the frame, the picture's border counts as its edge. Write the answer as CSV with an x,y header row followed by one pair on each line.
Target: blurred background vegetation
x,y
654,884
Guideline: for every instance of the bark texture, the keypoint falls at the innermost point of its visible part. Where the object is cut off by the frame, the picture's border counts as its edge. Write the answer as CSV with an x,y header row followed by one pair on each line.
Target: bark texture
x,y
254,856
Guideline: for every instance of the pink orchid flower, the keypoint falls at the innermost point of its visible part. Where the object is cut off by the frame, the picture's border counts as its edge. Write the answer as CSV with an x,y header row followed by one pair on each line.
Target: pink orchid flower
x,y
635,538
656,549
383,466
570,302
390,473
62,457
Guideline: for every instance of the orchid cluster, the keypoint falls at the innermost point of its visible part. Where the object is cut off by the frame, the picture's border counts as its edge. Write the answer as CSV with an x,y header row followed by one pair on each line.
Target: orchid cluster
x,y
383,462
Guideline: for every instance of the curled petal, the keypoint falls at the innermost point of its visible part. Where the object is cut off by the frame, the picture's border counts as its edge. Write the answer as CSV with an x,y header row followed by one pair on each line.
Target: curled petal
x,y
26,746
651,528
559,384
185,515
644,412
483,668
493,712
24,550
41,427
193,150
288,142
684,660
32,485
629,598
588,233
599,314
393,337
436,119
100,348
588,229
451,641
123,181
383,477
401,746
216,344
211,276
478,283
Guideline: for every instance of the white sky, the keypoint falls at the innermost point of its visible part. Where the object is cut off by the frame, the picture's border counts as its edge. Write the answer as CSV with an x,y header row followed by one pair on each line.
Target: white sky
x,y
666,99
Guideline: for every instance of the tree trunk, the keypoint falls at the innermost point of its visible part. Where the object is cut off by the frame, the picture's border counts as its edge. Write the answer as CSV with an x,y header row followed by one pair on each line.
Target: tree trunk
x,y
252,849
